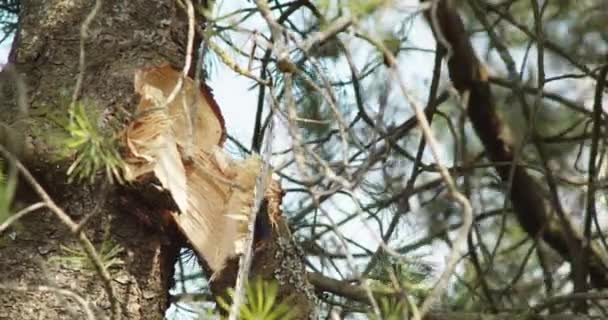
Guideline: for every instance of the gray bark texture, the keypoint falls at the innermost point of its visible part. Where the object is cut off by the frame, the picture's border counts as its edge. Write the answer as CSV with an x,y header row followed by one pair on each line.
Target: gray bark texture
x,y
123,36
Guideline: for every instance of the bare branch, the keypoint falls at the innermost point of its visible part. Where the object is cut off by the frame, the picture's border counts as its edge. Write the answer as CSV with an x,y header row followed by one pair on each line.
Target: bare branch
x,y
74,228
84,304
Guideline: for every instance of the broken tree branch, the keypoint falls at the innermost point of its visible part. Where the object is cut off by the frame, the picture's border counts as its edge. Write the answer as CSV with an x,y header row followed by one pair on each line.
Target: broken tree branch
x,y
534,213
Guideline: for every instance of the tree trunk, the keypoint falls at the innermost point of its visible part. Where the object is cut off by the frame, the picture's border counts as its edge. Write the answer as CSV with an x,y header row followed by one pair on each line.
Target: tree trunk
x,y
122,36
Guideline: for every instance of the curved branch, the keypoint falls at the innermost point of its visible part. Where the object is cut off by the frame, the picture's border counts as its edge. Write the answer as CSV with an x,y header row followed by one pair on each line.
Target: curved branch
x,y
534,213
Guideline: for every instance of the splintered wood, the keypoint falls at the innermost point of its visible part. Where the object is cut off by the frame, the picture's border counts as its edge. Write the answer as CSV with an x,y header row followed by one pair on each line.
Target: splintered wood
x,y
213,192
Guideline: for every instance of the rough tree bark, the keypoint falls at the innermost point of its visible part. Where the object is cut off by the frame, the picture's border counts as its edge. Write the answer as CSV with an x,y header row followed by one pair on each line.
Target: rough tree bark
x,y
123,36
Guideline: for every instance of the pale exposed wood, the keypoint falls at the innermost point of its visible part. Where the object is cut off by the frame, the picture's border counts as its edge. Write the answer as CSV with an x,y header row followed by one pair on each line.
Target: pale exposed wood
x,y
212,191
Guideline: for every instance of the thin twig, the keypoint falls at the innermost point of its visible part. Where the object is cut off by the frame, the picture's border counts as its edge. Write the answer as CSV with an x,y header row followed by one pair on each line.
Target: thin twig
x,y
84,34
247,255
467,211
15,217
189,8
336,27
590,212
65,292
74,228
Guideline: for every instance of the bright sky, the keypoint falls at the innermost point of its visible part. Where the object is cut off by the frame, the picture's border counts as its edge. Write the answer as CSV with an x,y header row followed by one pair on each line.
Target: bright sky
x,y
5,48
238,102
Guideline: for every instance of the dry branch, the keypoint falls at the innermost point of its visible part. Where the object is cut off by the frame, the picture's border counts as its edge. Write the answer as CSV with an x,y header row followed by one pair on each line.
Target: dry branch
x,y
74,228
213,194
534,212
357,293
